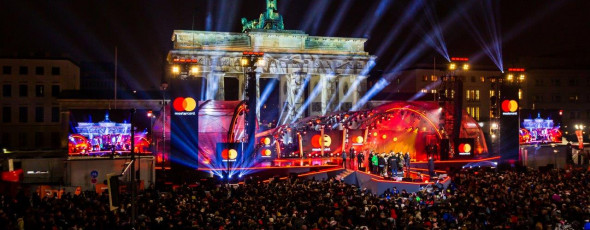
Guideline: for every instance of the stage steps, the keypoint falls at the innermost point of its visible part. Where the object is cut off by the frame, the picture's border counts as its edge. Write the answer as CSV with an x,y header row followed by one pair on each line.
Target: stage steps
x,y
344,174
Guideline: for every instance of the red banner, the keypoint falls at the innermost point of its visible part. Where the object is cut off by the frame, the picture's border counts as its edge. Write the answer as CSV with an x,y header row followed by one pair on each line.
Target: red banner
x,y
580,136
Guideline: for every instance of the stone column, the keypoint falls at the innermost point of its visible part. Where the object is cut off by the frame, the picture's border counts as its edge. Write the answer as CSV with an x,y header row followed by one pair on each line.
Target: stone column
x,y
329,92
215,86
293,100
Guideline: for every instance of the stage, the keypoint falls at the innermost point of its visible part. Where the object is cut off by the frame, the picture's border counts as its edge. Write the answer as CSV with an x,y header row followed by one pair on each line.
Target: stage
x,y
330,168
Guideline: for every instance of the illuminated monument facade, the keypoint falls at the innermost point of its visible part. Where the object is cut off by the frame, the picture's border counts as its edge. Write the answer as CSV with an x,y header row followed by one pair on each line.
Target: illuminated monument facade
x,y
328,72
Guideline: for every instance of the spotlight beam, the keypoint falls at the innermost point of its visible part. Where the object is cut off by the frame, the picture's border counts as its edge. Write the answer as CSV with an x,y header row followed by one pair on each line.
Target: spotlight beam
x,y
339,16
408,14
367,25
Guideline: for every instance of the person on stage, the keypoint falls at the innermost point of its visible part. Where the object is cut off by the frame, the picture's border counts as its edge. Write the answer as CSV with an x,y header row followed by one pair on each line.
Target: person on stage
x,y
352,156
370,161
360,158
344,159
374,163
381,161
393,164
407,163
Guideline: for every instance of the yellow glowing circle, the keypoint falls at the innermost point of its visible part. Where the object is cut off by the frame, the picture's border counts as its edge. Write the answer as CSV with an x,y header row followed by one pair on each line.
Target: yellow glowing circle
x,y
189,104
233,154
359,139
384,136
467,148
266,141
327,140
395,139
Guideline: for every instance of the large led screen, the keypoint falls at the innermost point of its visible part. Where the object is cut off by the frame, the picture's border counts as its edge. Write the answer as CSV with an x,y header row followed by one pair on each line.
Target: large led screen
x,y
103,132
540,126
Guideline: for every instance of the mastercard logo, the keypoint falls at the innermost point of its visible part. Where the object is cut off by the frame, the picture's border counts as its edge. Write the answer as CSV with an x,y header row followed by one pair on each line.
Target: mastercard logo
x,y
316,141
266,152
230,154
464,148
509,106
265,141
184,104
359,140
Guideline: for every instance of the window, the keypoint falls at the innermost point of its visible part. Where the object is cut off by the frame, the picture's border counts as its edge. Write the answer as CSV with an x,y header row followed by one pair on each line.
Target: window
x,y
23,90
433,91
433,78
22,139
473,79
424,78
492,93
6,139
538,98
556,82
573,98
39,139
55,139
39,90
472,95
6,114
573,82
556,98
54,114
519,94
7,69
473,111
39,114
7,90
539,82
55,90
55,71
23,114
424,90
39,70
23,70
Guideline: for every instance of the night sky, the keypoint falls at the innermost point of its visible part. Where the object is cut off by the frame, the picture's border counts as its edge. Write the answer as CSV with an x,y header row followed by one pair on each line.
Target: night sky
x,y
89,30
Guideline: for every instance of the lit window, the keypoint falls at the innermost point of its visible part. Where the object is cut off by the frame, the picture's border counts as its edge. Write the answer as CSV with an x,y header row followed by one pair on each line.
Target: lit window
x,y
519,94
482,79
477,95
424,91
434,78
492,93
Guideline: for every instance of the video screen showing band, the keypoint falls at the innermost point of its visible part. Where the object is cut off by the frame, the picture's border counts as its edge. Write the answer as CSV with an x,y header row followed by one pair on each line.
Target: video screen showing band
x,y
107,132
540,126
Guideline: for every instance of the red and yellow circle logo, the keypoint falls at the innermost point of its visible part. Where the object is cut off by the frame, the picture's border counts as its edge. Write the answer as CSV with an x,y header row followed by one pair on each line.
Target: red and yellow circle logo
x,y
316,141
230,154
359,139
464,148
265,141
509,106
266,152
184,104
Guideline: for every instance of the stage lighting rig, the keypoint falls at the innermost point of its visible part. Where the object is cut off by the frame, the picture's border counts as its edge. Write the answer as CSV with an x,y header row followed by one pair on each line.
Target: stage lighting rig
x,y
184,67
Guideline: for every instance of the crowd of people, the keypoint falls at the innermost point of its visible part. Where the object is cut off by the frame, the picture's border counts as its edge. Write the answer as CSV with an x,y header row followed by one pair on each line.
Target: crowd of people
x,y
484,199
383,164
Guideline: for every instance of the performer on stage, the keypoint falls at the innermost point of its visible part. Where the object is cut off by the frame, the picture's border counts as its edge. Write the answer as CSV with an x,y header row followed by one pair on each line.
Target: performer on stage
x,y
352,156
407,163
360,158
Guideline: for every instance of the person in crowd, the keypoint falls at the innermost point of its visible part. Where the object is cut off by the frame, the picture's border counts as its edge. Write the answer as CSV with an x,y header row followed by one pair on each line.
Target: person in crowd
x,y
476,199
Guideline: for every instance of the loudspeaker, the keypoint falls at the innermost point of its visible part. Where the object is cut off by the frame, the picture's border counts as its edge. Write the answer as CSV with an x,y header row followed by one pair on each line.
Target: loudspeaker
x,y
407,179
444,149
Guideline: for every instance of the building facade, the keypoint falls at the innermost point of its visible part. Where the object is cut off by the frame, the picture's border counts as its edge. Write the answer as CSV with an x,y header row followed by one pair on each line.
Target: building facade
x,y
31,117
327,73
